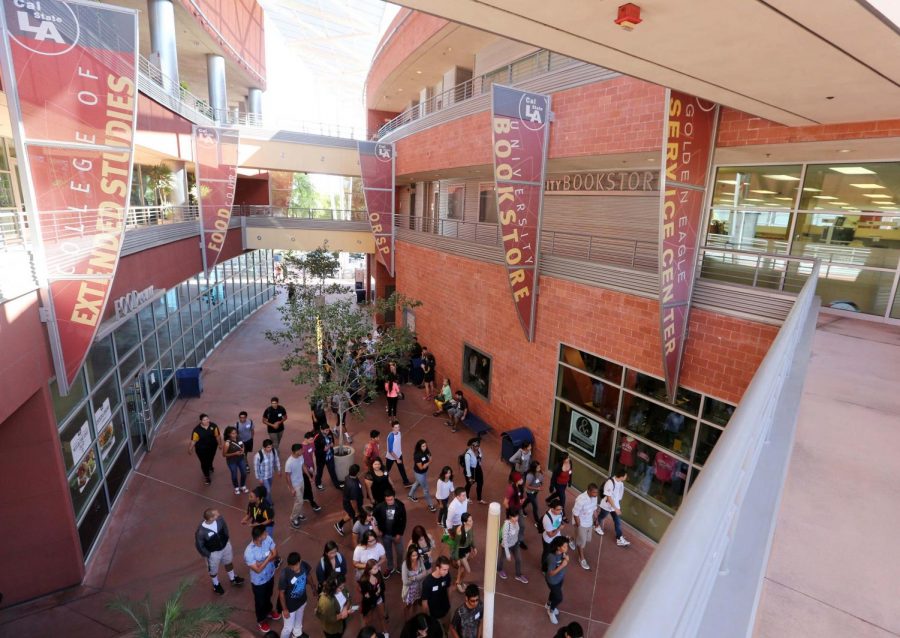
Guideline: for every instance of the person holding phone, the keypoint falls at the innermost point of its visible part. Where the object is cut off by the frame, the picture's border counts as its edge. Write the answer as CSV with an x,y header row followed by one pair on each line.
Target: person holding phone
x,y
333,608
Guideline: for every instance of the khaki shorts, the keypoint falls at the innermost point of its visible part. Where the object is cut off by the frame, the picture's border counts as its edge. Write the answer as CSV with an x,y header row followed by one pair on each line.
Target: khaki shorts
x,y
583,536
218,558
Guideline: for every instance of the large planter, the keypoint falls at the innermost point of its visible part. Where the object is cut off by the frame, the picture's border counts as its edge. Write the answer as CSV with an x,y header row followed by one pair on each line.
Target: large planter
x,y
342,462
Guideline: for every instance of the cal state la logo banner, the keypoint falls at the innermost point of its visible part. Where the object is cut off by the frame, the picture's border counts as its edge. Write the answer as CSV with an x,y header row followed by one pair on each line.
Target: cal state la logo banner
x,y
520,126
688,139
376,165
216,158
70,76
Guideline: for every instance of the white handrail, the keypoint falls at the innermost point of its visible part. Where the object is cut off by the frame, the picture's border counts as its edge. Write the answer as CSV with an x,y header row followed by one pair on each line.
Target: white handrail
x,y
671,595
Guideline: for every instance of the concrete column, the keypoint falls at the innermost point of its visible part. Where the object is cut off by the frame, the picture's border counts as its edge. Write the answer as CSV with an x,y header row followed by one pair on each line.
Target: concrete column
x,y
218,94
179,184
254,101
491,547
161,14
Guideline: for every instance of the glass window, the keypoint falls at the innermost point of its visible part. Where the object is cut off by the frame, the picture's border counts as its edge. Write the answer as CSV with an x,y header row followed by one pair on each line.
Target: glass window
x,y
476,373
757,186
855,289
63,406
159,310
175,326
163,337
167,365
653,473
846,238
717,412
130,364
178,352
847,187
583,435
487,203
159,409
117,473
151,352
7,197
154,380
665,427
100,359
589,393
591,364
456,200
145,318
170,391
707,440
171,300
107,390
127,336
110,437
93,520
656,389
75,438
84,480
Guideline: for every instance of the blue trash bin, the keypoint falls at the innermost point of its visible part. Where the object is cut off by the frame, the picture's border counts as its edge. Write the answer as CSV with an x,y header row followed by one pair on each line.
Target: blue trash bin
x,y
514,439
189,383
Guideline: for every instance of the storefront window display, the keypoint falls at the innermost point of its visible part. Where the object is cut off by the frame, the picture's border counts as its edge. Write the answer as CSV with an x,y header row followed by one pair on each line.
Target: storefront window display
x,y
608,416
476,373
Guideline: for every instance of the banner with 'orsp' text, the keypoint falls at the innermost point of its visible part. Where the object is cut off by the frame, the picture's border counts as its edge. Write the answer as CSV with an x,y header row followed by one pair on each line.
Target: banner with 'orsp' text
x,y
376,165
688,140
70,76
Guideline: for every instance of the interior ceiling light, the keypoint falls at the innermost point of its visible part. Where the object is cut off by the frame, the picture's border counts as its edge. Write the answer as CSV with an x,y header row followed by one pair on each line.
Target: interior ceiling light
x,y
823,197
876,196
418,72
727,181
851,170
866,185
783,178
765,192
785,199
843,150
750,199
840,203
813,190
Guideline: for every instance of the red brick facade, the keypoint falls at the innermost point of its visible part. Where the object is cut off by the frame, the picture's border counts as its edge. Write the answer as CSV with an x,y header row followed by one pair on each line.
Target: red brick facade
x,y
469,301
737,128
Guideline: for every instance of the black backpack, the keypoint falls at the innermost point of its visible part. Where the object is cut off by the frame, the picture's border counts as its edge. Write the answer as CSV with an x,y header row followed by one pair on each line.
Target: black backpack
x,y
461,459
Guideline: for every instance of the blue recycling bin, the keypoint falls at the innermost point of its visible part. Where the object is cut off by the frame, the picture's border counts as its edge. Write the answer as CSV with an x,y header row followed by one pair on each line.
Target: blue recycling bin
x,y
514,439
189,383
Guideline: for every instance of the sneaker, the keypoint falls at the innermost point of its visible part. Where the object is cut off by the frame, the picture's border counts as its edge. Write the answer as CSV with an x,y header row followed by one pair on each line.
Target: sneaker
x,y
407,484
301,517
571,544
432,509
599,530
482,501
447,423
552,615
502,574
339,529
263,627
295,523
321,487
244,490
219,589
621,542
584,565
207,481
454,430
237,490
522,579
274,615
238,581
317,508
389,573
414,499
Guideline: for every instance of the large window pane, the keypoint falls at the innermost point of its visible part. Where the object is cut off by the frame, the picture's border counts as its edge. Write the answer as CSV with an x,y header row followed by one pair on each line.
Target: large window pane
x,y
850,239
145,318
653,473
589,393
108,390
749,230
117,474
76,438
850,288
707,440
487,203
111,437
63,406
670,429
583,435
100,359
591,364
127,336
656,389
163,337
84,480
843,187
717,412
757,186
151,352
93,522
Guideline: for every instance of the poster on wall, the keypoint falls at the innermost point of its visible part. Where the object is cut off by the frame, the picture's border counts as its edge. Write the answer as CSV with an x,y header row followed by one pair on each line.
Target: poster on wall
x,y
70,77
520,128
584,432
688,138
216,159
376,165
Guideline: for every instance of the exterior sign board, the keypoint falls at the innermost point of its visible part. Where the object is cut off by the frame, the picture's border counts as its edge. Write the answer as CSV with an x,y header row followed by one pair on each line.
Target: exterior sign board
x,y
70,77
688,139
520,128
216,157
603,183
376,165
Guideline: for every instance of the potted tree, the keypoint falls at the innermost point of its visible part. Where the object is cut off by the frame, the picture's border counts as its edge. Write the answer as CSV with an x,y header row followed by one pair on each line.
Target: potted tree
x,y
327,334
174,620
159,179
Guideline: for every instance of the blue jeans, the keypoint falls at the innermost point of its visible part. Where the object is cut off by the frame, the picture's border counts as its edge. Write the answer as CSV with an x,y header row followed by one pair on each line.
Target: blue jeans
x,y
617,521
238,471
421,481
267,482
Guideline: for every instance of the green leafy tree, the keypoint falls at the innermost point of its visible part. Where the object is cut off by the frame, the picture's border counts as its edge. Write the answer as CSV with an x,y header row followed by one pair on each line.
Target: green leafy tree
x,y
174,620
312,269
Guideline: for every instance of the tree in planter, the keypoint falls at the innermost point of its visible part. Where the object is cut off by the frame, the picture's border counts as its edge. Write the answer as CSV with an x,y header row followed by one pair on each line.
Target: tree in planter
x,y
174,620
329,349
159,179
313,269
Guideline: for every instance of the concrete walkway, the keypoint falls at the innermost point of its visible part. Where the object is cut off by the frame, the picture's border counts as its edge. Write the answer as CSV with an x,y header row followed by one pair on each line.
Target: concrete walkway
x,y
148,545
834,570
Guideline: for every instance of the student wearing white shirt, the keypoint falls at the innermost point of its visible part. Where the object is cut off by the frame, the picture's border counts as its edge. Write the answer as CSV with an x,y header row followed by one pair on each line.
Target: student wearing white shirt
x,y
585,514
613,491
458,506
368,549
443,492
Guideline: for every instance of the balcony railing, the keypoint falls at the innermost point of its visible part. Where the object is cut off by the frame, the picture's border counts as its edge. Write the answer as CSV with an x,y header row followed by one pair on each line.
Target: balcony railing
x,y
313,214
531,66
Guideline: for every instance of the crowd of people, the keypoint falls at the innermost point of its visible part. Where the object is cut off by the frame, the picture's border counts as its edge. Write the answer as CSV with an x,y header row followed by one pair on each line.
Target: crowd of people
x,y
342,584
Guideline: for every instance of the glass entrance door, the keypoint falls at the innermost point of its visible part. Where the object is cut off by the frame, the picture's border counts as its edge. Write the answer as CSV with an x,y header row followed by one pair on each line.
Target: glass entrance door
x,y
137,411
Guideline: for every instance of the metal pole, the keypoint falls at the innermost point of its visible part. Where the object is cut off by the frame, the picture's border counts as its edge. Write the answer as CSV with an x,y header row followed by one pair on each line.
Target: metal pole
x,y
491,547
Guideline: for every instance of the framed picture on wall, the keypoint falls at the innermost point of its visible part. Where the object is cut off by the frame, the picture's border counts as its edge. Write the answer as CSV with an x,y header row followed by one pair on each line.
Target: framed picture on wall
x,y
476,372
584,432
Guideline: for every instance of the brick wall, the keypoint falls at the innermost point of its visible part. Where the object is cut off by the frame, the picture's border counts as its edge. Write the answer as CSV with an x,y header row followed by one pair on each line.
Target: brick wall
x,y
469,301
737,128
622,115
375,119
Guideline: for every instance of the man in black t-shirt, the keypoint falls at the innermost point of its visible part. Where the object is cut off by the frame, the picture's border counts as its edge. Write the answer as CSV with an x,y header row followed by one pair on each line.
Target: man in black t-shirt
x,y
292,586
205,441
459,412
435,590
274,417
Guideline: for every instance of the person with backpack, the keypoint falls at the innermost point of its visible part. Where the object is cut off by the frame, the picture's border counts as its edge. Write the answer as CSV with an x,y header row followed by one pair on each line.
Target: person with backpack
x,y
332,564
324,444
266,465
611,505
353,498
394,452
472,468
551,527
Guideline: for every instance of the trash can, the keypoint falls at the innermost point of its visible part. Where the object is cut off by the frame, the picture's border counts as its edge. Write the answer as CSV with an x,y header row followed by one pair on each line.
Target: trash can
x,y
189,384
514,439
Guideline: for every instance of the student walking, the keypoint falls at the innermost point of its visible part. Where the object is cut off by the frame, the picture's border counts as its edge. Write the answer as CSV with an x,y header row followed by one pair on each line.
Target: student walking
x,y
294,473
444,492
436,590
394,452
235,459
555,565
391,518
534,483
246,431
392,393
211,540
509,546
292,595
260,557
372,450
458,506
421,461
468,618
352,501
413,572
463,548
324,445
371,589
521,459
259,510
333,608
584,514
551,527
273,418
513,498
205,441
474,473
561,479
266,465
309,470
613,491
332,564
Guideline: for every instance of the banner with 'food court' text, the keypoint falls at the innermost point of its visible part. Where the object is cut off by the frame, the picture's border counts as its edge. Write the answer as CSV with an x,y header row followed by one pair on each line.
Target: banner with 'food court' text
x,y
216,158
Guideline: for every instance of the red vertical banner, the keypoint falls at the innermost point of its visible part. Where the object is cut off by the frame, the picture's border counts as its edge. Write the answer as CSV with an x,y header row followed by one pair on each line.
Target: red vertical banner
x,y
70,76
376,165
216,158
520,126
688,140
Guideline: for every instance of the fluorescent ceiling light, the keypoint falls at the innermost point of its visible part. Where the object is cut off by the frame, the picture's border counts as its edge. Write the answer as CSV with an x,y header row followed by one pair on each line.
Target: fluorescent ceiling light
x,y
823,197
839,203
785,199
783,178
727,181
876,196
750,199
851,170
813,190
765,192
867,185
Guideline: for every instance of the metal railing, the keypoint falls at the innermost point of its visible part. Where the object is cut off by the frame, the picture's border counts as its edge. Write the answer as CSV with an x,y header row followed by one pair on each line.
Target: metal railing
x,y
757,269
313,214
525,68
698,546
